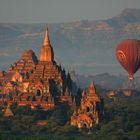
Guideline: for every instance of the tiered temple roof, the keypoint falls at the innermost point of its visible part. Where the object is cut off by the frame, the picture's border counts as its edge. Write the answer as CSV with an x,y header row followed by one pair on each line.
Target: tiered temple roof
x,y
41,77
87,113
26,63
47,67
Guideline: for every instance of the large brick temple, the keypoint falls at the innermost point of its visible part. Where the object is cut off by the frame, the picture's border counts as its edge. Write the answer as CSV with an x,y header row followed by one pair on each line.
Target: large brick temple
x,y
43,84
38,83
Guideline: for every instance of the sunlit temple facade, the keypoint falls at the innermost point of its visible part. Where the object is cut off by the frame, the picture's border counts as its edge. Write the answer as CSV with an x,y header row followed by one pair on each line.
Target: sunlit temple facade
x,y
90,111
43,84
38,83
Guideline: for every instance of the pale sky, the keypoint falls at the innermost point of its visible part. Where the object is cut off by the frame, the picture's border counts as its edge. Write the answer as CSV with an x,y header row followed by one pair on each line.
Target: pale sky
x,y
55,11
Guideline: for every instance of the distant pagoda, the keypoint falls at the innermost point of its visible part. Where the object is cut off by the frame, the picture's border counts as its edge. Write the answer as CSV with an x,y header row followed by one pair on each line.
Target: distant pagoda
x,y
90,111
8,112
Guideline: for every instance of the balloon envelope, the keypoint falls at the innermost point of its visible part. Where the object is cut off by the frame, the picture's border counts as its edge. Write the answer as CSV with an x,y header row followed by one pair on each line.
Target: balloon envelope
x,y
128,54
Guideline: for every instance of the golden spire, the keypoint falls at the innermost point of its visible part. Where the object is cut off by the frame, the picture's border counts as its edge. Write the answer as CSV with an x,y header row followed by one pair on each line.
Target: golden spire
x,y
46,39
92,84
46,53
83,93
92,89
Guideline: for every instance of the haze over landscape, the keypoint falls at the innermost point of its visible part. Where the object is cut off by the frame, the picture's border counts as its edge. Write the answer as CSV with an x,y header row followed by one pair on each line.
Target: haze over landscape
x,y
84,41
88,45
62,69
54,11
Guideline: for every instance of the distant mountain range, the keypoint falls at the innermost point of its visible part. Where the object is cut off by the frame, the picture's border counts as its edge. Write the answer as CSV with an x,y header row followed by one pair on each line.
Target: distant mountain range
x,y
105,81
86,46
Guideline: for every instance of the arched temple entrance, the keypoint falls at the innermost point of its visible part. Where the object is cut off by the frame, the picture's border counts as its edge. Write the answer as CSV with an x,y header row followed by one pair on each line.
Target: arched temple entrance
x,y
38,92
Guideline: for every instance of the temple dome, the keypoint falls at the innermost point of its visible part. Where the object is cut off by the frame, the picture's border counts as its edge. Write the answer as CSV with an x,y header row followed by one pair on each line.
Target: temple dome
x,y
46,53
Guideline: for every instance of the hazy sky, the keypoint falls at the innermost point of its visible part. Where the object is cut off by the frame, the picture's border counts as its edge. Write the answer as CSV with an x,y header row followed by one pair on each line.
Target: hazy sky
x,y
50,11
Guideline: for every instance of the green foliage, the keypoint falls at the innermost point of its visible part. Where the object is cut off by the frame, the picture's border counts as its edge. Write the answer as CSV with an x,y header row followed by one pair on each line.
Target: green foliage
x,y
121,122
25,110
57,119
40,114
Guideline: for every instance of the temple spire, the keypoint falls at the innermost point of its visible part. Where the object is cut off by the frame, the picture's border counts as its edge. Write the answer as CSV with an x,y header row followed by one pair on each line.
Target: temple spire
x,y
46,53
92,89
83,93
46,42
92,84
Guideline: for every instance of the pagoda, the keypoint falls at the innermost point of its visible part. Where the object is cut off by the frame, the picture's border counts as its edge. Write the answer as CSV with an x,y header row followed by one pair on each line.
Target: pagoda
x,y
90,110
46,69
36,82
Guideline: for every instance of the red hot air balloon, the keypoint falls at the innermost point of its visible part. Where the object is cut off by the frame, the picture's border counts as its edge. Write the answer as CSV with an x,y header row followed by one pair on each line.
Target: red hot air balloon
x,y
128,54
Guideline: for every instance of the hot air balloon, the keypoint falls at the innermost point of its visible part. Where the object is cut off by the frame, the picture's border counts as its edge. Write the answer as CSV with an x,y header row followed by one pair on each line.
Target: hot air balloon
x,y
128,54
